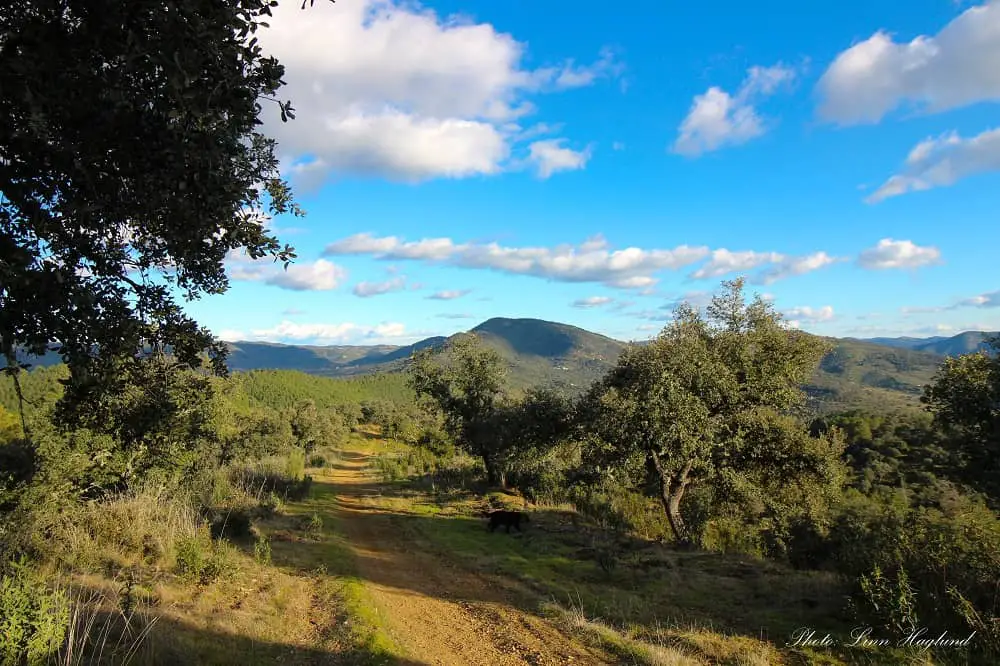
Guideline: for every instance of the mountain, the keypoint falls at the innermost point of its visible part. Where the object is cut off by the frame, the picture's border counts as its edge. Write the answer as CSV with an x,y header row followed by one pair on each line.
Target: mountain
x,y
904,342
855,373
877,373
963,343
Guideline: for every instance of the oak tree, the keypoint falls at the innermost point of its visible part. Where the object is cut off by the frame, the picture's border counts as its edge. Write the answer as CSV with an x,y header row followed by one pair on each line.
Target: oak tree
x,y
709,401
131,164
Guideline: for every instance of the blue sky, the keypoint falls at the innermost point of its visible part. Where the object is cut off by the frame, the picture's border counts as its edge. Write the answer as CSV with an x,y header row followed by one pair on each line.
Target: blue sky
x,y
591,165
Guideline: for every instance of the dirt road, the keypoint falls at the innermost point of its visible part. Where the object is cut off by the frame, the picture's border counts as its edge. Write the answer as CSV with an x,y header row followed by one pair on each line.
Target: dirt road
x,y
438,612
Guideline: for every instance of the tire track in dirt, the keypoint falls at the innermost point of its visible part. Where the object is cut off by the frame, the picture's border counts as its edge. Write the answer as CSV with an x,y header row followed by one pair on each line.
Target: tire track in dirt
x,y
441,614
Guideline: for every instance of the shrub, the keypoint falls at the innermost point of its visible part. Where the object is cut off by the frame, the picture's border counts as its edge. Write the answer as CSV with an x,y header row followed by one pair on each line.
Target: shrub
x,y
234,524
312,526
914,565
33,619
295,465
199,559
262,550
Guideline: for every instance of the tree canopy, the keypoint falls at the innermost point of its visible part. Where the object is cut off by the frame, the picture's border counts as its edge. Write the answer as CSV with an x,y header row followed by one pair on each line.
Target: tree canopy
x,y
708,402
965,400
131,165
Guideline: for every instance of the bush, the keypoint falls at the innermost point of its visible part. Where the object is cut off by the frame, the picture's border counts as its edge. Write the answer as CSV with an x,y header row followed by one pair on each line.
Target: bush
x,y
621,510
234,524
295,466
33,619
312,526
914,566
262,550
199,559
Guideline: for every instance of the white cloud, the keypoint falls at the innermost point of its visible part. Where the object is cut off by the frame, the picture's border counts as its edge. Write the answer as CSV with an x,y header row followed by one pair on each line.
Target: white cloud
x,y
366,289
449,294
891,253
986,300
717,119
333,333
791,266
724,261
809,314
990,300
942,162
591,261
954,68
617,146
292,312
231,335
319,275
592,302
388,88
549,156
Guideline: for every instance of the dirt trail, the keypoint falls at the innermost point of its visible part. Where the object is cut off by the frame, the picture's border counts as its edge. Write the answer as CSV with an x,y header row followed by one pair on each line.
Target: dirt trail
x,y
438,612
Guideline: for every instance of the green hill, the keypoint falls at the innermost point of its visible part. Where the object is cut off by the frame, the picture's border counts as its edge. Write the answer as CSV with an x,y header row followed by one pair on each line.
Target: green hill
x,y
885,373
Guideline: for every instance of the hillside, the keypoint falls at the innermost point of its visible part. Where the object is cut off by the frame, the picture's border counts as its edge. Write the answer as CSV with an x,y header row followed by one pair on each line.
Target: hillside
x,y
880,372
855,373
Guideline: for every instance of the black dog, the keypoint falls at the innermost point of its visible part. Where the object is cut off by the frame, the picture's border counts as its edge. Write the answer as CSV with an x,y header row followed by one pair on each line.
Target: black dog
x,y
506,518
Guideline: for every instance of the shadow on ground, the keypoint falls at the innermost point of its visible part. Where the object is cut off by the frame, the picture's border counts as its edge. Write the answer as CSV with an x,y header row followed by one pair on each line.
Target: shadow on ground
x,y
171,643
426,548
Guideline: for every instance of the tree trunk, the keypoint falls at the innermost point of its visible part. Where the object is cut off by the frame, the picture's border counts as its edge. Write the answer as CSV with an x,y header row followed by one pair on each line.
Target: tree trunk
x,y
496,475
672,487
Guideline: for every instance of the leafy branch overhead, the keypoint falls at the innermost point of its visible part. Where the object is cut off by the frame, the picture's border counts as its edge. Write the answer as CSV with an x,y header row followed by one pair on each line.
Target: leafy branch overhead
x,y
131,163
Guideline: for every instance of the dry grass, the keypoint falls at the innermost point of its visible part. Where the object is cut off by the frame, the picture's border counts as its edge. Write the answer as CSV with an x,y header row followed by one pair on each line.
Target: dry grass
x,y
139,528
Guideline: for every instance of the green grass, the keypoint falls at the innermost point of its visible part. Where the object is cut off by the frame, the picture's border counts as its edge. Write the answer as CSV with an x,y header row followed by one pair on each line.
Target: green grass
x,y
331,558
655,604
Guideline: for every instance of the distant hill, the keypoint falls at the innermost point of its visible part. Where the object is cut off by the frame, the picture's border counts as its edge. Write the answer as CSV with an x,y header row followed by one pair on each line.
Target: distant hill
x,y
963,343
880,372
904,342
855,373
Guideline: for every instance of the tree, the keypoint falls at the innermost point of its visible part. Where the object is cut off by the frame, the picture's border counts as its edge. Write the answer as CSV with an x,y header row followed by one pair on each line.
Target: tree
x,y
467,383
130,165
964,398
708,402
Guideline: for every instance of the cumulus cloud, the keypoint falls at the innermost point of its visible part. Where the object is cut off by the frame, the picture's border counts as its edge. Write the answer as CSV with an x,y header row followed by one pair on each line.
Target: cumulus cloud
x,y
954,68
724,261
592,302
329,333
388,88
367,289
549,156
591,261
319,275
889,254
787,267
943,161
717,119
809,314
449,295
